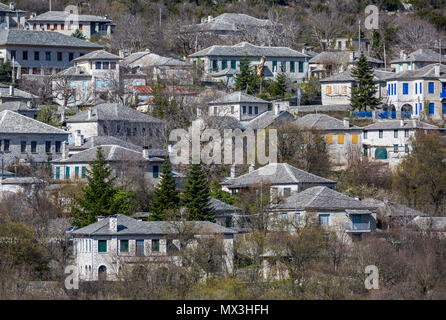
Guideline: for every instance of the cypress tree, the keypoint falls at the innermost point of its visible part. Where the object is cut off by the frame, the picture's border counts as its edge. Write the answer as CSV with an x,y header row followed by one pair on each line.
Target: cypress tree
x,y
165,196
98,196
196,197
364,90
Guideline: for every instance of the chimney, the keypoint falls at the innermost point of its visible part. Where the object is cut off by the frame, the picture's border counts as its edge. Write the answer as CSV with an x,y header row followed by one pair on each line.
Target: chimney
x,y
11,90
100,218
209,18
351,57
145,152
437,70
29,104
402,54
346,123
113,223
233,171
64,150
89,113
78,139
252,167
62,115
12,6
276,109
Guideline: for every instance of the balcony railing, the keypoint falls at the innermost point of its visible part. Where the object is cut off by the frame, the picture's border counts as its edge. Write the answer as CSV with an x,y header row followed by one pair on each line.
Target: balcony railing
x,y
357,227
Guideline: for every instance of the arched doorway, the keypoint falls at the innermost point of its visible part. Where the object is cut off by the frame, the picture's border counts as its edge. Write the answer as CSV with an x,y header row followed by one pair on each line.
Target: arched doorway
x,y
406,111
102,273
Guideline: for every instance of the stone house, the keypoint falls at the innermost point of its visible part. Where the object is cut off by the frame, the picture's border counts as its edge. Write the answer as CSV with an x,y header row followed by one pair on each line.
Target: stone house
x,y
66,22
388,141
341,137
104,248
11,17
25,139
113,119
23,108
8,93
415,60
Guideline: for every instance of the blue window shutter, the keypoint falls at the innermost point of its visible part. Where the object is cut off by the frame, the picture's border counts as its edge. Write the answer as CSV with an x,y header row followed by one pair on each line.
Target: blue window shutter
x,y
431,87
416,88
405,88
421,88
444,108
432,108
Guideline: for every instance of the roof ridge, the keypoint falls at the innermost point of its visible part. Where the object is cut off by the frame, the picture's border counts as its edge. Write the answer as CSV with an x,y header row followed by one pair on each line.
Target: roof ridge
x,y
317,194
288,169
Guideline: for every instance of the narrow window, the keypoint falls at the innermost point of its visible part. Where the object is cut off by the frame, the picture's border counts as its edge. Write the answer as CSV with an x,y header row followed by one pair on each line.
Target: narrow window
x,y
25,55
329,138
67,172
76,172
292,66
395,148
340,138
140,248
406,133
301,67
102,245
124,246
380,133
33,146
405,88
365,134
48,146
22,146
354,138
155,171
48,56
395,133
57,173
431,108
58,144
36,55
70,56
431,87
274,66
83,172
59,56
155,245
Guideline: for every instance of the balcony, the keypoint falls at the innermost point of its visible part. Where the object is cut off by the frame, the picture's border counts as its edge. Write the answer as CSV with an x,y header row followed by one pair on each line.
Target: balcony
x,y
358,227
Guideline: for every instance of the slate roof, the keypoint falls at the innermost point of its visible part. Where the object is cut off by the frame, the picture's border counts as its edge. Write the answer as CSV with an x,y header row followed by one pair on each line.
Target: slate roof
x,y
268,118
238,97
112,111
378,75
275,173
427,72
18,94
149,59
98,55
111,153
62,16
228,22
245,48
43,38
221,207
5,7
321,197
339,56
319,121
13,122
399,124
16,106
105,140
420,55
130,226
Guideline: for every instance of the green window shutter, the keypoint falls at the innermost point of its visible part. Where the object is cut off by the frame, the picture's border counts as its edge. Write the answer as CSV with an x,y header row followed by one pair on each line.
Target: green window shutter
x,y
83,172
124,246
102,245
301,66
292,66
155,245
76,172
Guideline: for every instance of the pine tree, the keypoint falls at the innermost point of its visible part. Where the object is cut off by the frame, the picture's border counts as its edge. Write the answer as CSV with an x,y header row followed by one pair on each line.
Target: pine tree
x,y
6,73
165,196
278,87
364,90
246,80
196,197
78,34
218,193
98,196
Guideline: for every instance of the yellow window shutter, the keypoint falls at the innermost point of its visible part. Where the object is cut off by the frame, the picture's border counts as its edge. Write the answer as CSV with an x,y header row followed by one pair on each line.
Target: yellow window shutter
x,y
354,138
344,89
329,139
328,89
340,138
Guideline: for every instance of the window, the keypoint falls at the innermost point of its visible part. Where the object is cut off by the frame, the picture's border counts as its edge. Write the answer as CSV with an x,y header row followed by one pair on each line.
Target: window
x,y
25,55
284,216
395,133
406,133
286,192
301,66
84,84
155,245
244,109
47,146
233,64
406,148
23,146
380,134
340,138
274,66
444,108
421,88
83,172
98,65
112,65
105,65
324,219
292,66
329,138
297,218
124,246
59,56
283,66
105,83
155,171
13,54
48,26
58,144
215,111
365,134
48,56
36,55
76,172
81,26
62,26
232,109
70,56
57,172
33,146
431,88
67,172
354,138
365,151
256,110
224,64
249,110
140,248
431,108
405,88
98,83
102,245
34,26
395,148
214,65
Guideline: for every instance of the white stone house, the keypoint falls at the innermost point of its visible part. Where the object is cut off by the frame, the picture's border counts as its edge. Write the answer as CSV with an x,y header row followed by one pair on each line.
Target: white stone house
x,y
66,22
341,137
103,249
415,60
28,140
420,93
113,119
282,179
224,61
388,141
41,53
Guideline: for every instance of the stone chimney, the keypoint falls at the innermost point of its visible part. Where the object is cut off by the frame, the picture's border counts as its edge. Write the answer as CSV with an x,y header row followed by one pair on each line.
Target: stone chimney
x,y
233,171
346,123
113,223
78,138
64,150
210,18
437,70
29,104
11,90
89,113
100,218
402,54
276,109
145,152
12,6
252,167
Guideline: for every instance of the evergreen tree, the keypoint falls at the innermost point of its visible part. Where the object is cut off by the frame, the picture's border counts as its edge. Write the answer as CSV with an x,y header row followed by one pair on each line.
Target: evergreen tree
x,y
78,34
278,87
218,193
99,197
165,196
196,197
246,80
364,90
6,73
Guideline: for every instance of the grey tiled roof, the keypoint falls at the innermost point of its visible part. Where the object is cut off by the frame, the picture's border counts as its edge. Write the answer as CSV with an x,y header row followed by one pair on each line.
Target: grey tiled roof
x,y
339,56
98,55
238,97
110,152
130,226
400,124
16,106
135,56
420,55
275,173
320,121
18,94
149,59
42,38
105,140
12,122
229,22
321,197
268,118
112,111
62,16
427,72
221,207
378,75
245,48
